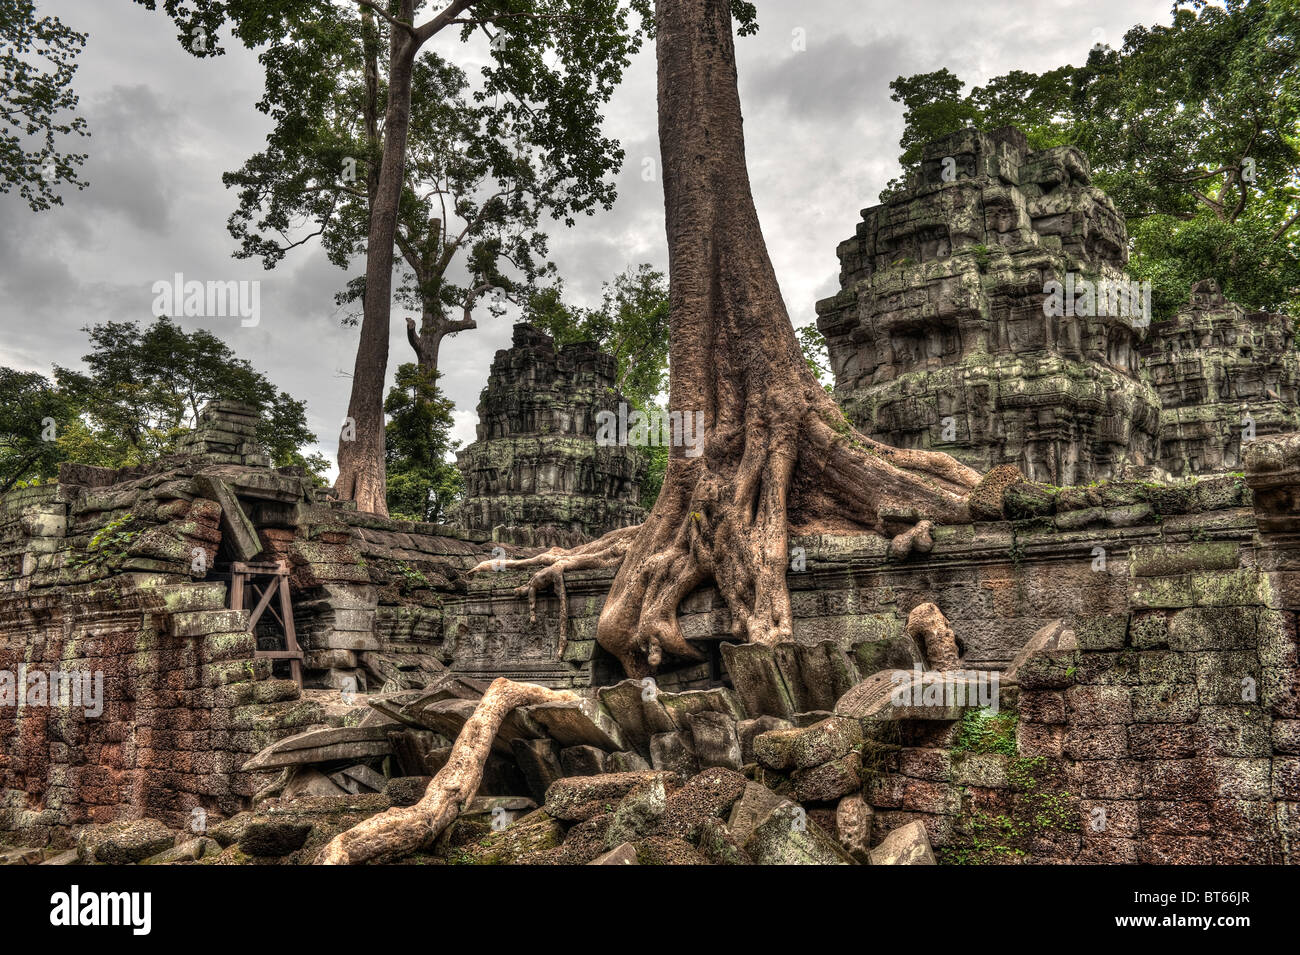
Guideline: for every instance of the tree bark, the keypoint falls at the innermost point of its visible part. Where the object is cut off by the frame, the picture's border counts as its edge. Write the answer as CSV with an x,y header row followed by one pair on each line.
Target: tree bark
x,y
426,339
401,830
778,452
361,460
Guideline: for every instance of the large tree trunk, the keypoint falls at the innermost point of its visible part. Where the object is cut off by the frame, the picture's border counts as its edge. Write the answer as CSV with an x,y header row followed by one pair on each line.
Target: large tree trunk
x,y
361,460
778,451
426,339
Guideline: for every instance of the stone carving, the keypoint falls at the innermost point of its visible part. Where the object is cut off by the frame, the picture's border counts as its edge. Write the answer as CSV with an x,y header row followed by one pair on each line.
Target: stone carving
x,y
938,337
536,463
1224,375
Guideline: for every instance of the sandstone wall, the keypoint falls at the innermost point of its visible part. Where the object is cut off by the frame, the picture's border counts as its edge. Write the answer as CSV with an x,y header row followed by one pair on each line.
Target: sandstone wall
x,y
1224,375
126,574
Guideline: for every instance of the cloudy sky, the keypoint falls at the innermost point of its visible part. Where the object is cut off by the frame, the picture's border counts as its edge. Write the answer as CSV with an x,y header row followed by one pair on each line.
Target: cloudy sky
x,y
822,138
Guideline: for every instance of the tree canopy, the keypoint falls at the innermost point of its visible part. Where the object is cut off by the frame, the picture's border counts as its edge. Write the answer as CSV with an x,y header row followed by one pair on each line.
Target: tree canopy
x,y
142,389
38,57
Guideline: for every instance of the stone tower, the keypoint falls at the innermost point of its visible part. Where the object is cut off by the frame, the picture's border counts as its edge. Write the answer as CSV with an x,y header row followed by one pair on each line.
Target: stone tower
x,y
939,338
536,463
1223,374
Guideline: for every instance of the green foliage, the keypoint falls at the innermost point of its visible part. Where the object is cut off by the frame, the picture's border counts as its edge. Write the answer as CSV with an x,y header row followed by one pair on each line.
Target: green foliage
x,y
813,345
109,544
422,484
981,731
631,323
37,62
1192,128
408,578
33,414
144,388
141,390
482,165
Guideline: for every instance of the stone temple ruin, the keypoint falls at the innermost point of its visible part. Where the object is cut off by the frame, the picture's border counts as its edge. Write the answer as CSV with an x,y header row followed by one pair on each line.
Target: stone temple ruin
x,y
1103,672
938,337
535,466
1143,636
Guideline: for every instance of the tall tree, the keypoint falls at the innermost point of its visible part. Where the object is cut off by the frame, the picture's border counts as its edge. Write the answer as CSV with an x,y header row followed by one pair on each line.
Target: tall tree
x,y
554,65
778,451
474,191
422,483
32,416
38,57
778,448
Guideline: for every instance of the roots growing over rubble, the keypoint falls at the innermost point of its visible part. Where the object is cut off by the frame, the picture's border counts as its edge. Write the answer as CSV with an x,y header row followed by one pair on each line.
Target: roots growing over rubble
x,y
778,453
402,830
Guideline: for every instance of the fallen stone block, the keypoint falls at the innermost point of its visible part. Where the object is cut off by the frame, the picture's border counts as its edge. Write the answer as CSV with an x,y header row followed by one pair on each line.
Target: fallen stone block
x,y
577,798
807,747
829,781
1046,637
323,745
906,845
124,843
624,854
853,821
714,741
786,836
582,761
578,724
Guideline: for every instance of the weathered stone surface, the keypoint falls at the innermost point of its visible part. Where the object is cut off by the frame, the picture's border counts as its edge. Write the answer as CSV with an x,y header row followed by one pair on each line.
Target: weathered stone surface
x,y
536,464
1046,637
639,814
853,821
829,781
938,337
582,761
578,798
714,741
578,724
622,854
671,753
1224,375
906,845
122,843
786,836
535,832
809,746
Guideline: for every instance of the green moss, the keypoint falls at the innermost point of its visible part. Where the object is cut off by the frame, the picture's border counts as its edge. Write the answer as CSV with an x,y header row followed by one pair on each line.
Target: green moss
x,y
1039,805
981,731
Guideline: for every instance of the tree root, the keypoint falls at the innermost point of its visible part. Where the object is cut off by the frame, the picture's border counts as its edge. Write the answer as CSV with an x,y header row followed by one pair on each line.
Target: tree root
x,y
401,830
726,517
606,551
